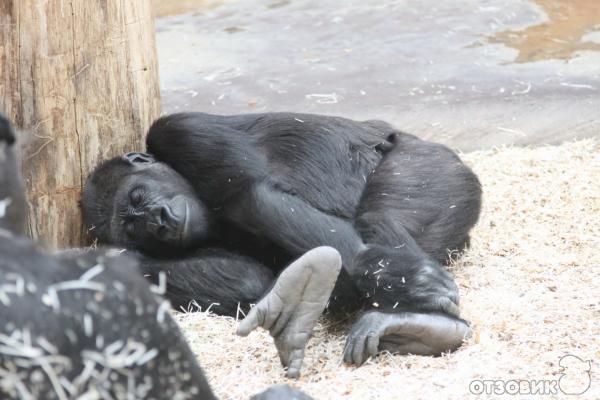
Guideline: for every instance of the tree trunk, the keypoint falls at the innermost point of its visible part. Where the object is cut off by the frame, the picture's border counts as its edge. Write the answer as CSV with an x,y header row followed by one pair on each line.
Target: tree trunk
x,y
81,78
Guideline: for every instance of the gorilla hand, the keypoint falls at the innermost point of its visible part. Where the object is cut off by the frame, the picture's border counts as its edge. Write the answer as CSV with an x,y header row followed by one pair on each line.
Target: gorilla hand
x,y
404,279
403,333
291,309
432,288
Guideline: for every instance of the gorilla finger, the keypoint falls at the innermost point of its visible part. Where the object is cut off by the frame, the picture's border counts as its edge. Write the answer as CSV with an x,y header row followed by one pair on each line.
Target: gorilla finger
x,y
356,342
453,295
348,350
372,344
441,303
449,306
359,355
272,307
295,364
252,321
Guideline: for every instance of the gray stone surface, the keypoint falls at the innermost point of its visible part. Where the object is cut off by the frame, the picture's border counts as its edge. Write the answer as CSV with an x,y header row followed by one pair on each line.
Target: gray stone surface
x,y
437,69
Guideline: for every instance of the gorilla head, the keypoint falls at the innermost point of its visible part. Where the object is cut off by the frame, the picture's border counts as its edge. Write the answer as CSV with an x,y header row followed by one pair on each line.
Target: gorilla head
x,y
137,202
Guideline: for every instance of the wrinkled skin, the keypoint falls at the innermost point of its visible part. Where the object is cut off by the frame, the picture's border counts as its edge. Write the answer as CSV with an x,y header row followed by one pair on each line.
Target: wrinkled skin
x,y
162,212
291,309
153,208
404,333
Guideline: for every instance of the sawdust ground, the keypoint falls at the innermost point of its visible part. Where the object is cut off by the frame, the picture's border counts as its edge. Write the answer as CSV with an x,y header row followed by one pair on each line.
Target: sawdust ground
x,y
530,286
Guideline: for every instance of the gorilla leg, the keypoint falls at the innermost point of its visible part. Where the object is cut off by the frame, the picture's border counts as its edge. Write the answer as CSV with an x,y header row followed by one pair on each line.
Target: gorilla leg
x,y
420,202
404,278
413,323
424,191
211,279
291,309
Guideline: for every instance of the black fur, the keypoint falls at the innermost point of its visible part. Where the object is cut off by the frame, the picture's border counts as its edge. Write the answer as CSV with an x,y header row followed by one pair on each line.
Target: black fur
x,y
112,314
85,324
424,190
291,182
13,212
100,203
212,279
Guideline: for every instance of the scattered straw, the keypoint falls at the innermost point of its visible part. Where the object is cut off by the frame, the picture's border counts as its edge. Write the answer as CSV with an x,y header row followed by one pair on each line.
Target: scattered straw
x,y
530,286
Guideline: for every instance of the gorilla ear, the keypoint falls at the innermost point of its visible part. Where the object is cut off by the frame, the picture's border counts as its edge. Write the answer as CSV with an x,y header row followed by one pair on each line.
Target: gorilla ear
x,y
139,158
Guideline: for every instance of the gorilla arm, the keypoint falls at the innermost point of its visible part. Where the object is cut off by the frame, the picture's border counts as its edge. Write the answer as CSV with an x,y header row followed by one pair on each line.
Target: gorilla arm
x,y
292,223
210,279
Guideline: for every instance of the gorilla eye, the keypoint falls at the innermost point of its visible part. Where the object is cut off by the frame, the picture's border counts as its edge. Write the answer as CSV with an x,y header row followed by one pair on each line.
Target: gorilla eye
x,y
136,197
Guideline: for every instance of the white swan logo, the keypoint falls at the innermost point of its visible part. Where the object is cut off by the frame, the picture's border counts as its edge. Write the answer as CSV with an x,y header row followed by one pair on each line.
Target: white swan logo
x,y
575,376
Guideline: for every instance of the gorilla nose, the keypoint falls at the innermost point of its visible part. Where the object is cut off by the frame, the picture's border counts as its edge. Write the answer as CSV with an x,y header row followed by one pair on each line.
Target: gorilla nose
x,y
163,222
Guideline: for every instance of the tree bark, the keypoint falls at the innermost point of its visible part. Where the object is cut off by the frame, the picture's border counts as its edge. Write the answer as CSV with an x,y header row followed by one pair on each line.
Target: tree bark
x,y
81,78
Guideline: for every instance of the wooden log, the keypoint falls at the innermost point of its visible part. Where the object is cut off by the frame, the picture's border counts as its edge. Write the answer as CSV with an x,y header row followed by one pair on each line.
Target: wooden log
x,y
82,78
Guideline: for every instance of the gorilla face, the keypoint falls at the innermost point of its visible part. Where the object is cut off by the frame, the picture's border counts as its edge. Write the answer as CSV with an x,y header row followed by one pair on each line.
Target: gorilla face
x,y
151,207
157,205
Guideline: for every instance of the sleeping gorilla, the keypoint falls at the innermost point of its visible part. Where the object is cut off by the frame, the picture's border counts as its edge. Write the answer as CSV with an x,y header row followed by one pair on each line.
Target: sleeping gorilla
x,y
84,324
253,192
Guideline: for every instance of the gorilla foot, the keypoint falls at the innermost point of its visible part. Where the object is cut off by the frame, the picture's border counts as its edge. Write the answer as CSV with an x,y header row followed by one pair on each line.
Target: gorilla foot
x,y
404,333
291,309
